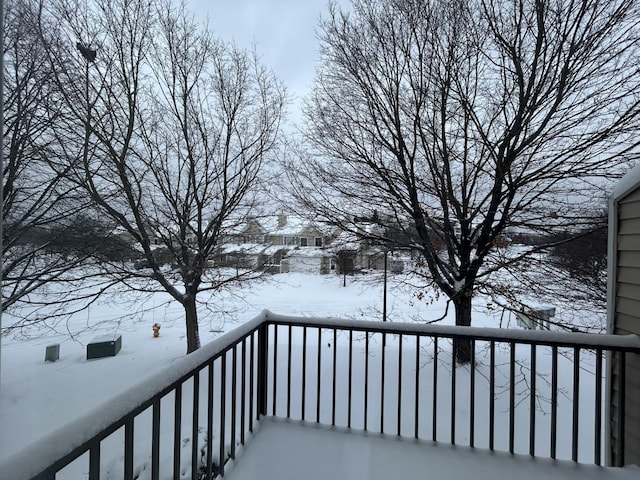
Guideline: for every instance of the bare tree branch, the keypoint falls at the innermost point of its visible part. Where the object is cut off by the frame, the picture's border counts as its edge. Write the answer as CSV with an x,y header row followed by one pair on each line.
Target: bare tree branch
x,y
463,121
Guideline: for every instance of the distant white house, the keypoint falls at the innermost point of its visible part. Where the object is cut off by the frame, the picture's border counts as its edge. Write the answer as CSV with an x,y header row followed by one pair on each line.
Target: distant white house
x,y
277,244
290,243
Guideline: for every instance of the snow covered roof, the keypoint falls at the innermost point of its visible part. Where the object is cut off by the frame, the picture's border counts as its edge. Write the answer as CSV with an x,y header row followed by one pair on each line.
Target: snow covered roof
x,y
285,225
630,181
273,249
293,226
247,248
308,252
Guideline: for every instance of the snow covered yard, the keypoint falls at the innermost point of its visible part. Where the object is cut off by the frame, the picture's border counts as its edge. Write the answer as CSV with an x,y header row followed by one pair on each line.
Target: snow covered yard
x,y
39,397
36,397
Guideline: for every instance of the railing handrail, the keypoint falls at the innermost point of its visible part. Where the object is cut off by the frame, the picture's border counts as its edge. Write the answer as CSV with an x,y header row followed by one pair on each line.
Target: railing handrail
x,y
65,442
629,342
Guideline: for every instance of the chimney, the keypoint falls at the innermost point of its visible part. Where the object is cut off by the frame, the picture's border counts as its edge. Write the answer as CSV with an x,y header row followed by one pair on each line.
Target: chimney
x,y
282,220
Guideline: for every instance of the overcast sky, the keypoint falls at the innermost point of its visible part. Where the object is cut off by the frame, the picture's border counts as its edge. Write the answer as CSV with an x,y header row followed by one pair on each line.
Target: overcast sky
x,y
284,32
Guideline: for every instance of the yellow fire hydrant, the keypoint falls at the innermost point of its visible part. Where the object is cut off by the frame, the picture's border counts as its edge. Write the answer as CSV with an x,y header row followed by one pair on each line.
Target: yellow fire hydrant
x,y
156,330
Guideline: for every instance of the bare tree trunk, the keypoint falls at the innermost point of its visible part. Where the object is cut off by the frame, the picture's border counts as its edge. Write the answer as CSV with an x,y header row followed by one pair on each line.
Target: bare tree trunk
x,y
191,323
462,347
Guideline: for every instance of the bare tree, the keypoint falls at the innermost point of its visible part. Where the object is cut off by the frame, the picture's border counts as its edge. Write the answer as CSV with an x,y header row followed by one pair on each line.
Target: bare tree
x,y
460,121
38,204
166,130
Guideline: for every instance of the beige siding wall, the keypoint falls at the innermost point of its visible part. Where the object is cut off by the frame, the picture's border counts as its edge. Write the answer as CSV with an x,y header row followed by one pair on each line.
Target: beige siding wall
x,y
627,320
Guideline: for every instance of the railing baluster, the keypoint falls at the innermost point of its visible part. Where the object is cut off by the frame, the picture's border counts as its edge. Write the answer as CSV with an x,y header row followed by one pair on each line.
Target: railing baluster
x,y
234,399
492,393
382,368
512,395
155,440
94,462
435,390
554,400
597,454
177,434
210,395
243,389
532,402
366,379
304,372
350,378
399,385
194,424
454,347
251,380
275,370
576,406
128,449
472,395
333,377
417,392
223,412
318,383
263,372
289,375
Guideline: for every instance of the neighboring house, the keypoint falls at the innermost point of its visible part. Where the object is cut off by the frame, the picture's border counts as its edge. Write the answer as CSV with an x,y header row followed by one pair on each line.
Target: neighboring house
x,y
277,244
624,316
372,255
243,255
289,243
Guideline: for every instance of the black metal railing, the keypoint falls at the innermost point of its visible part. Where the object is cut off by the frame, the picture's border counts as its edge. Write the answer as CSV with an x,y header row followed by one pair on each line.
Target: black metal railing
x,y
517,394
543,391
188,420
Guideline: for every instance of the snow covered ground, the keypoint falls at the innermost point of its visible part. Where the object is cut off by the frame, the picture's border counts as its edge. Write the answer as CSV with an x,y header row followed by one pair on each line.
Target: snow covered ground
x,y
36,397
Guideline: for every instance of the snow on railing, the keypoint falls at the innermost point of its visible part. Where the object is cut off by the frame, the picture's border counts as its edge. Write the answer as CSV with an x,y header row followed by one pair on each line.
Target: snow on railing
x,y
534,392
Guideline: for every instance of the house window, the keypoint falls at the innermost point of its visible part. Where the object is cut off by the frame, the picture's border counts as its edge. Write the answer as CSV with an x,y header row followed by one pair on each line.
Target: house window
x,y
246,239
303,242
289,240
318,241
259,239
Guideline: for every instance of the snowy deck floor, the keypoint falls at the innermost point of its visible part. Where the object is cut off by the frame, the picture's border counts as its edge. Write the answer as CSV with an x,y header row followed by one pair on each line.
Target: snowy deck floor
x,y
289,450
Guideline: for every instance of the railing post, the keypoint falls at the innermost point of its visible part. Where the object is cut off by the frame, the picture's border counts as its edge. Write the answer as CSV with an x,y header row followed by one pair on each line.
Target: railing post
x,y
262,380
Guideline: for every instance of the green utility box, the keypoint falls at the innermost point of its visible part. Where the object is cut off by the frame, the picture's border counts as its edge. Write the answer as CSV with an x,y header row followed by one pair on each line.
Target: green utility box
x,y
104,346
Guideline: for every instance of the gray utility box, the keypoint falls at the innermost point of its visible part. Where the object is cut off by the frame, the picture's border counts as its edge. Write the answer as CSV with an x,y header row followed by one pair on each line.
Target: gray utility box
x,y
104,346
52,352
